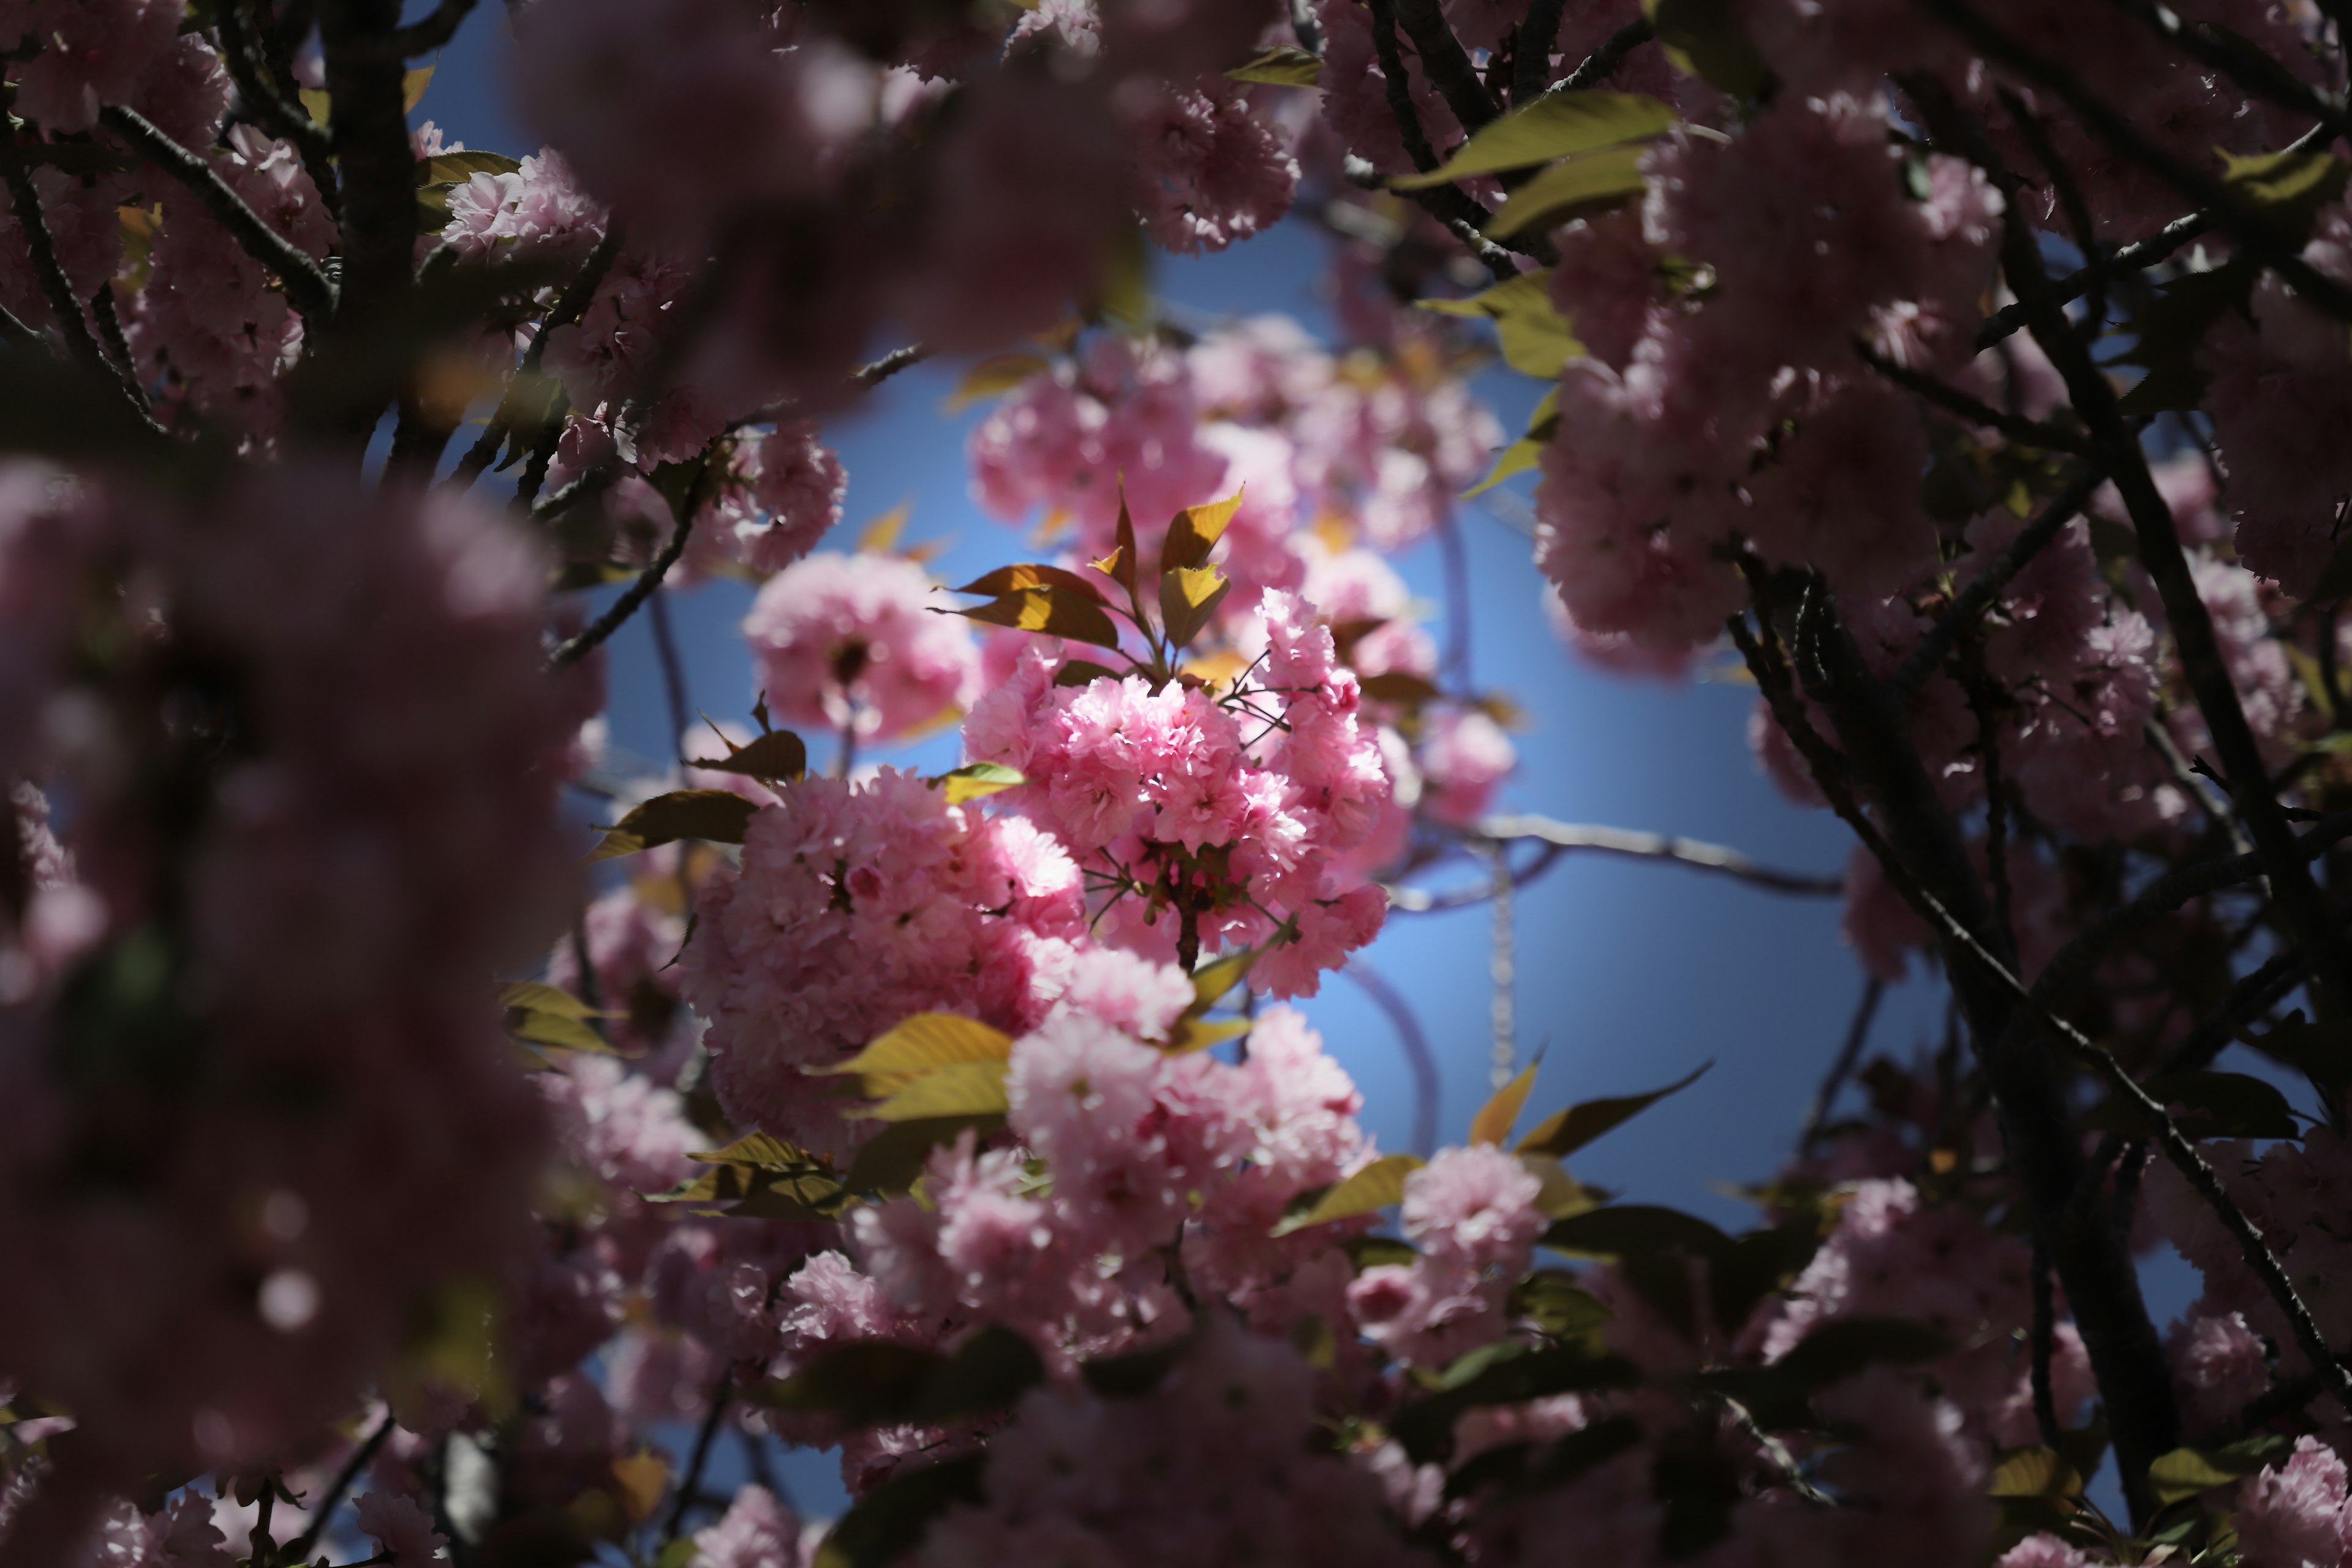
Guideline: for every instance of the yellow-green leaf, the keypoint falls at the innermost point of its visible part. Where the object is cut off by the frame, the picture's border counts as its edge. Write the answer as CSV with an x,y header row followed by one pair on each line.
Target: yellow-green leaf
x,y
1373,1188
1561,1195
975,781
2290,187
757,1150
1188,597
316,101
1564,1132
966,1088
533,997
1496,1118
1057,612
1562,191
1199,1034
1032,574
1558,125
2036,1472
456,168
720,816
1527,451
2185,1472
412,85
1284,65
1703,39
1219,976
923,1044
1195,531
561,1032
642,1476
994,377
1537,340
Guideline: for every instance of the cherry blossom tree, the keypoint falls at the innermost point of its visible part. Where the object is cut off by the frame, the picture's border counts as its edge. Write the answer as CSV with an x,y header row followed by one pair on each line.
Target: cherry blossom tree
x,y
395,1170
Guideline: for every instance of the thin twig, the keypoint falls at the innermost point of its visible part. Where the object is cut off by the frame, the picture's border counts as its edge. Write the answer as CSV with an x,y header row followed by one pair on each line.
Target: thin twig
x,y
673,671
2250,227
1569,836
2137,257
322,1512
1857,1035
692,1478
569,307
1450,204
57,289
1602,62
1419,1059
2242,62
635,595
308,289
1952,400
890,364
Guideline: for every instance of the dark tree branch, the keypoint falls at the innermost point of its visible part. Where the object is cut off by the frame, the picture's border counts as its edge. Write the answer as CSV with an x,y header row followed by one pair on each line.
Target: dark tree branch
x,y
370,126
307,288
57,289
1443,57
1952,400
322,1512
282,118
691,1479
423,37
1857,1035
889,364
2307,917
1972,602
2137,257
1450,204
2255,993
569,307
632,598
2044,1332
1603,63
1418,1057
2168,892
2071,203
2247,226
1933,874
1570,837
2242,62
1531,64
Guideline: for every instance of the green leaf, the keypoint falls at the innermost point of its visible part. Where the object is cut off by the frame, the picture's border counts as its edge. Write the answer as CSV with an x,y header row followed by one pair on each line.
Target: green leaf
x,y
1033,574
1845,1346
1702,37
2227,1105
1558,125
976,781
2288,188
1055,611
1561,1193
890,1520
2185,1472
1501,1112
993,377
1556,1303
1284,65
967,1089
563,1032
922,1045
1536,338
1564,191
2036,1472
1188,597
1199,1034
1214,979
1527,451
456,168
1399,686
1505,1374
1079,672
718,816
778,755
891,1160
759,1152
1195,531
1564,1132
1370,1190
1624,1230
533,997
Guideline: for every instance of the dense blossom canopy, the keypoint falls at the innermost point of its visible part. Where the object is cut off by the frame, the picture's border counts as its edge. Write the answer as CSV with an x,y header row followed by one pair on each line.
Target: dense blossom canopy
x,y
393,1171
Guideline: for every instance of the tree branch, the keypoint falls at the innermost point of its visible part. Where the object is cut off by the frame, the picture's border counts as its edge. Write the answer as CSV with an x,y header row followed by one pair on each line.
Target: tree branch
x,y
1572,837
1531,64
1952,400
569,307
1972,602
322,1512
1443,57
634,596
370,127
57,289
2137,257
1857,1035
1418,1059
423,37
2242,62
286,120
307,288
2246,226
1602,62
1450,204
